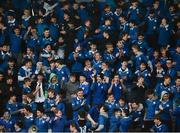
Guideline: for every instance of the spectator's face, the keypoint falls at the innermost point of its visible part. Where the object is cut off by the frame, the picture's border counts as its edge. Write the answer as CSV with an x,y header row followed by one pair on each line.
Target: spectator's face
x,y
88,63
11,64
156,4
140,38
107,22
72,79
169,64
13,98
125,37
111,98
82,79
121,102
40,78
120,44
178,49
50,94
66,16
33,31
46,33
48,48
165,97
1,77
121,19
156,54
135,50
178,82
93,47
97,56
167,80
142,66
156,121
80,94
53,20
39,114
29,65
163,21
116,78
134,105
75,6
5,48
124,64
150,96
26,12
17,31
9,81
88,23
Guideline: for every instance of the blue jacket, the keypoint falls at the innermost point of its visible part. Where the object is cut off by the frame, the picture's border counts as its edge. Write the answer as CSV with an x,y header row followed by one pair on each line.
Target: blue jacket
x,y
15,43
99,91
28,122
125,123
164,35
77,65
54,31
58,125
151,24
46,40
117,91
167,108
161,87
103,120
42,124
160,128
114,124
63,72
151,107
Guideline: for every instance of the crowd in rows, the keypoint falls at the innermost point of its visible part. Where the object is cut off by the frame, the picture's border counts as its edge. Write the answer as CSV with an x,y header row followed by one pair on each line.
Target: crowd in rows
x,y
108,66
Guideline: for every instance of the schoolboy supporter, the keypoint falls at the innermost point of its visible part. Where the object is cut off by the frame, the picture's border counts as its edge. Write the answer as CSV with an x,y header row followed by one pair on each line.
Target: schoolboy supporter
x,y
53,83
97,62
27,117
84,85
171,71
124,25
108,55
99,88
29,54
136,112
62,71
134,12
164,109
143,45
114,121
26,89
46,39
150,107
11,21
79,103
122,104
88,71
31,39
47,54
158,72
7,121
163,86
125,73
58,122
41,121
165,32
144,72
30,102
139,57
117,87
53,28
92,50
49,102
76,58
25,72
125,121
133,32
158,125
26,19
103,121
151,23
176,89
110,103
16,42
61,48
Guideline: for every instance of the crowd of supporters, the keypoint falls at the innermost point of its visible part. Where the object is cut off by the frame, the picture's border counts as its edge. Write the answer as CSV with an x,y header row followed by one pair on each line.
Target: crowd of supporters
x,y
89,65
